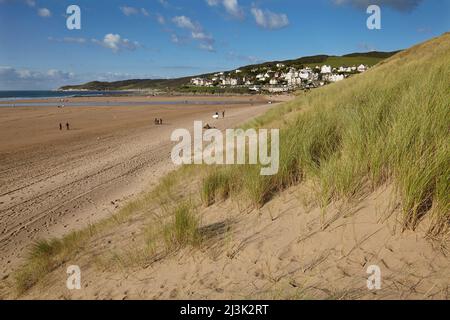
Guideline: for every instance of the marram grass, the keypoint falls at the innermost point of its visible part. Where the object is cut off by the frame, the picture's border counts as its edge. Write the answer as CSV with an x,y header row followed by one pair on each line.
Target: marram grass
x,y
389,125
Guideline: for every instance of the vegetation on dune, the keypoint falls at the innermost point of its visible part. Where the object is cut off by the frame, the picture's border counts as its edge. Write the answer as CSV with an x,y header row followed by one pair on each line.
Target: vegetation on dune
x,y
178,227
183,229
388,125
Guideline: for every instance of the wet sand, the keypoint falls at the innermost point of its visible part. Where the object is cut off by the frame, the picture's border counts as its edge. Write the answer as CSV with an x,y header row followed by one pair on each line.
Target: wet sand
x,y
53,181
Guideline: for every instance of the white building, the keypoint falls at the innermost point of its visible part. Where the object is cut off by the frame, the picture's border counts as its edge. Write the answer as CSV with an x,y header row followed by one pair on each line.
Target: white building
x,y
362,68
325,69
336,77
304,74
201,82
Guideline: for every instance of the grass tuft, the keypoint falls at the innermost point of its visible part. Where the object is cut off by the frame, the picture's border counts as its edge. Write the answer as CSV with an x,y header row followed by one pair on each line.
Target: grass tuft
x,y
183,229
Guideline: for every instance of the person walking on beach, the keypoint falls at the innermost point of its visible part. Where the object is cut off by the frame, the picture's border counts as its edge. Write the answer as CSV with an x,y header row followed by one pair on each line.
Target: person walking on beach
x,y
67,126
223,114
160,121
60,126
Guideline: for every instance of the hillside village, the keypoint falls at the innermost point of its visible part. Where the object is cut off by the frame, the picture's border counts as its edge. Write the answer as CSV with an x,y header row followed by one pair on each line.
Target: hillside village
x,y
274,76
278,78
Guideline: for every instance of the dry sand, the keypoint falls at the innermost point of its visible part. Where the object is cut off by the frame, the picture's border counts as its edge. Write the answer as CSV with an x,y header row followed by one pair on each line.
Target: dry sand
x,y
289,249
52,181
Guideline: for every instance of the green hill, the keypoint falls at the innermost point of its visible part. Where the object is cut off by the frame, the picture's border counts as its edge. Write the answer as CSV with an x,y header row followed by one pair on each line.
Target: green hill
x,y
368,58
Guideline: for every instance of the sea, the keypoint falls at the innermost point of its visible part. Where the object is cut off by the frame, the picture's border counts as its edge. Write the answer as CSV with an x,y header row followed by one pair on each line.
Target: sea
x,y
15,99
41,94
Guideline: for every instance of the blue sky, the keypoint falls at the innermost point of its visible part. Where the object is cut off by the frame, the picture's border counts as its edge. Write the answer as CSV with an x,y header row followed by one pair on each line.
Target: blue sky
x,y
171,38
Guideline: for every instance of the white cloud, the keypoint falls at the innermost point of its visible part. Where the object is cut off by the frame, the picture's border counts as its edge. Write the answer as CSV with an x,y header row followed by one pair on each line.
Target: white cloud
x,y
30,3
174,38
27,79
196,32
212,2
68,40
164,3
44,12
22,79
269,20
184,22
400,5
232,7
424,30
129,11
116,43
202,36
161,20
207,47
248,59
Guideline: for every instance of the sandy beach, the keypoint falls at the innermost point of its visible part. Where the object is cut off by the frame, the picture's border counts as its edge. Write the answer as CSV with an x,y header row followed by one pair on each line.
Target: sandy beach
x,y
53,181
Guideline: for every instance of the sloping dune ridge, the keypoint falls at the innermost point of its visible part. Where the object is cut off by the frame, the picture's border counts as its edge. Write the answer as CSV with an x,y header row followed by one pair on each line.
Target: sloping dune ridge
x,y
363,181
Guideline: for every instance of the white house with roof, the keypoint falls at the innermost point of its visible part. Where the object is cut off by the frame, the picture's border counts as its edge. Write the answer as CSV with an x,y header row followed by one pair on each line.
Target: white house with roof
x,y
336,77
201,82
325,69
304,74
362,68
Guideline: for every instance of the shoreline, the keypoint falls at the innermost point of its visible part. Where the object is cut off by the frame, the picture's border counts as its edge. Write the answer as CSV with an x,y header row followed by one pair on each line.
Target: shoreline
x,y
129,94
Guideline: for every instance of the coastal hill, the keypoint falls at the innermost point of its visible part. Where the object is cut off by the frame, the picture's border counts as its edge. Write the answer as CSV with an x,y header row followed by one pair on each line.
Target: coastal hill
x,y
368,59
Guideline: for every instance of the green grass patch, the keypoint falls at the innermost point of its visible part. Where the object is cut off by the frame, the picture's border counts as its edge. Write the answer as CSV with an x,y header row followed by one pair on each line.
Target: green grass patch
x,y
183,228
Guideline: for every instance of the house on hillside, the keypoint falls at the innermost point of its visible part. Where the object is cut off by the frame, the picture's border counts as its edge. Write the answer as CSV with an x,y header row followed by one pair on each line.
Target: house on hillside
x,y
273,82
304,74
201,82
362,68
336,77
325,69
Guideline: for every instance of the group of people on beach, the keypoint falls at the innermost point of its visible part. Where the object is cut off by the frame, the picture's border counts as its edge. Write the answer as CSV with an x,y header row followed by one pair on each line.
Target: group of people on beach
x,y
62,103
158,121
216,116
67,126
